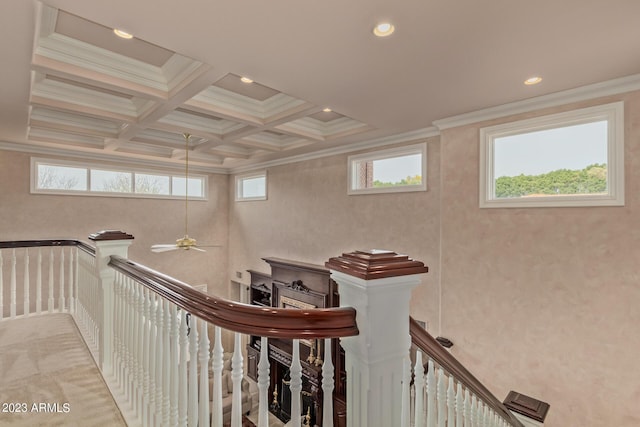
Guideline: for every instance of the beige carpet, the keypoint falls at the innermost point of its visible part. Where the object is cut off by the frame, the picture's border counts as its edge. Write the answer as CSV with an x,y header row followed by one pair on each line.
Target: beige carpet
x,y
46,370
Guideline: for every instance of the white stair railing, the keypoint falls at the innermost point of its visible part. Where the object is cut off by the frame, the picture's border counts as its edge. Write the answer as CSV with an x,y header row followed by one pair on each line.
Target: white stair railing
x,y
378,285
184,377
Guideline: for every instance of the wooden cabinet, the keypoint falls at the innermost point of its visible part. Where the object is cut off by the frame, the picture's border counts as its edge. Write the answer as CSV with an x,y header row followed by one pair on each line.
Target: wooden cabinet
x,y
293,284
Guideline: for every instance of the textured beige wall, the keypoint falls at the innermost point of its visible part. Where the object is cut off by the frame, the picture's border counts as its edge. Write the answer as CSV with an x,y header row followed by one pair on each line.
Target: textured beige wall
x,y
545,301
31,216
309,217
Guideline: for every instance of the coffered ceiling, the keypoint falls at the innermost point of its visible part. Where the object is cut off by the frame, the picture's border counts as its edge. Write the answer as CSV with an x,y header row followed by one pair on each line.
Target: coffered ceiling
x,y
70,86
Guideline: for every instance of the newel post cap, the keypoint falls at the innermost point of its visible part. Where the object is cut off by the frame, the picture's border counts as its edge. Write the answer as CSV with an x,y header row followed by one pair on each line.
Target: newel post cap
x,y
375,264
110,235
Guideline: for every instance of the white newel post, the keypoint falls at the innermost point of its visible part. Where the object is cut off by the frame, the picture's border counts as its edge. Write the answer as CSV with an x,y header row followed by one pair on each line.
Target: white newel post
x,y
378,285
108,242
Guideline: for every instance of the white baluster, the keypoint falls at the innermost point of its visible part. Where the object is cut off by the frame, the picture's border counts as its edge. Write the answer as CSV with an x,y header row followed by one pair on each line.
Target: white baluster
x,y
203,405
159,420
135,341
487,416
451,403
61,304
183,382
442,398
76,281
263,384
467,409
236,377
217,363
474,411
405,401
146,328
491,420
419,419
26,284
38,285
174,365
71,309
193,371
166,363
327,385
1,287
459,406
12,308
296,385
128,342
140,344
153,321
51,300
431,395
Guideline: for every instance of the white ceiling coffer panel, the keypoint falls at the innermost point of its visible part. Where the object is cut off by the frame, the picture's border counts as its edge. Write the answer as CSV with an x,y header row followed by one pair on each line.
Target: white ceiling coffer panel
x,y
92,91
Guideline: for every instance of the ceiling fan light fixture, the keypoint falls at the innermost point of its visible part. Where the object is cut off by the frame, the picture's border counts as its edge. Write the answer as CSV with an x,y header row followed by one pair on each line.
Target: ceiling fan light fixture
x,y
122,34
383,29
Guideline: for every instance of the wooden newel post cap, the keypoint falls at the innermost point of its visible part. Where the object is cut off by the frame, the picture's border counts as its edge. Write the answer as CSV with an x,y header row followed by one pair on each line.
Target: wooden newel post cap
x,y
110,235
375,264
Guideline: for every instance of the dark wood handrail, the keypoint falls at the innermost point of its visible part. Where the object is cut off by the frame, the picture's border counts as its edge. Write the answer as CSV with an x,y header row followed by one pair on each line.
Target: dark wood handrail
x,y
238,317
48,242
425,342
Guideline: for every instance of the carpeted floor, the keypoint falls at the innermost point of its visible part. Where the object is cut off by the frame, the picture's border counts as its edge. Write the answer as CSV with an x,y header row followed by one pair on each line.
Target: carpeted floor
x,y
48,377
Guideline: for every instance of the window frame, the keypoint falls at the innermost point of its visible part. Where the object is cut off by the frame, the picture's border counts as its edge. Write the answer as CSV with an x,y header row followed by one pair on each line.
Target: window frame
x,y
250,175
613,113
384,154
36,161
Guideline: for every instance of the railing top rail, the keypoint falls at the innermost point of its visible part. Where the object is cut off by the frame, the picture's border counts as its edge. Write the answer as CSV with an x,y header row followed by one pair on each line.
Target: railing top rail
x,y
46,243
425,342
244,318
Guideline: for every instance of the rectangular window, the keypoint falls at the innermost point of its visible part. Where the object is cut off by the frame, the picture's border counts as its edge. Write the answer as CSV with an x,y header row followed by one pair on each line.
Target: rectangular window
x,y
111,181
251,186
398,169
152,184
574,158
66,177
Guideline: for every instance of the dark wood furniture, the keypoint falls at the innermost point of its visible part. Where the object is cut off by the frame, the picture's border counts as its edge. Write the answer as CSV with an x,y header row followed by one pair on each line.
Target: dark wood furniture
x,y
293,284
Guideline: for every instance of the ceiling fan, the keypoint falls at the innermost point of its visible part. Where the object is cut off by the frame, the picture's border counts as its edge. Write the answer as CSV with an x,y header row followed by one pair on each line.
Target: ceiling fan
x,y
185,242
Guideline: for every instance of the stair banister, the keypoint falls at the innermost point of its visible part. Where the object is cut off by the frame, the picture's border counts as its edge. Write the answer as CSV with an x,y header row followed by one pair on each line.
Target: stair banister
x,y
378,285
108,242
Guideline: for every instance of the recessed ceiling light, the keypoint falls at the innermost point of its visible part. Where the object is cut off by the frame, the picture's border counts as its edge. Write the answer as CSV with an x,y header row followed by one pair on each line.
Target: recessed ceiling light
x,y
122,34
533,80
326,110
383,29
246,80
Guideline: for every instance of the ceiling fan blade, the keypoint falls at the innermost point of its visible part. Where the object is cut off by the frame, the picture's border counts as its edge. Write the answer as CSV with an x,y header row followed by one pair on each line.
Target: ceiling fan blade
x,y
196,248
163,248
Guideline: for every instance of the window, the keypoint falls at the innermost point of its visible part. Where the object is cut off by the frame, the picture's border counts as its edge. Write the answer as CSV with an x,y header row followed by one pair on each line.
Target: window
x,y
251,186
398,169
63,177
574,158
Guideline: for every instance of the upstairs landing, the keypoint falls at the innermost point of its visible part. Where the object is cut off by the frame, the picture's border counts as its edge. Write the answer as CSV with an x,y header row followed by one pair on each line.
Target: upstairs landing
x,y
47,372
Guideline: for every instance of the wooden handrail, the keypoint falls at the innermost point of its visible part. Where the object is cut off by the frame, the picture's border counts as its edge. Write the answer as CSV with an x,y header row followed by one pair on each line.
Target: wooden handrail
x,y
425,342
48,242
244,318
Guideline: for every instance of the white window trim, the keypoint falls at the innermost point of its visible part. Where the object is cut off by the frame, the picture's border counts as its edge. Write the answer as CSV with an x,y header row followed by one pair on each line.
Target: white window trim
x,y
89,166
251,175
613,113
386,154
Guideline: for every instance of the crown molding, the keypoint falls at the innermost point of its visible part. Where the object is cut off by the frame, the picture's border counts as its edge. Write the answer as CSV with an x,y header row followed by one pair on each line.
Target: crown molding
x,y
583,93
411,136
100,155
